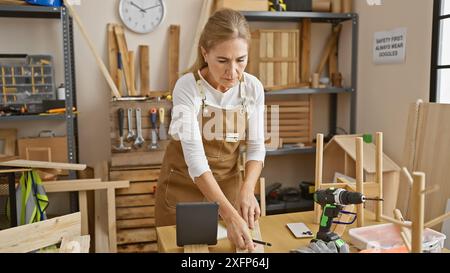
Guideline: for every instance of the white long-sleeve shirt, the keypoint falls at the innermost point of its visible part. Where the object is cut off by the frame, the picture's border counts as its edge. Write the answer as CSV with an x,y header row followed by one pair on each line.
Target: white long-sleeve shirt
x,y
187,103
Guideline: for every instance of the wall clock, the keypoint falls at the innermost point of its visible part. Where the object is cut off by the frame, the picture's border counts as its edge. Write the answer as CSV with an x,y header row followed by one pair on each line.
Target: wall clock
x,y
142,16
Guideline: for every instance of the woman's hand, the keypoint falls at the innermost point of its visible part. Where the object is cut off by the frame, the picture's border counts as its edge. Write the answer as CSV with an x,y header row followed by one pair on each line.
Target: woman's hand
x,y
238,232
248,206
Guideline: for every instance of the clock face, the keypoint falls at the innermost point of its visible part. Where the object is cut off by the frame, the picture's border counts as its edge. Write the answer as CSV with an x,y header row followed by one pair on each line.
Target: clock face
x,y
142,16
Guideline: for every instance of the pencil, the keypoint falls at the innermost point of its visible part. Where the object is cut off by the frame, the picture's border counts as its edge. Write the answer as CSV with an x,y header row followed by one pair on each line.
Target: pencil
x,y
262,243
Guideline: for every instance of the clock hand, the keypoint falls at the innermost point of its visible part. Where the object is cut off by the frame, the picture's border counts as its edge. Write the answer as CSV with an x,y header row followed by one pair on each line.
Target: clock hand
x,y
141,9
152,7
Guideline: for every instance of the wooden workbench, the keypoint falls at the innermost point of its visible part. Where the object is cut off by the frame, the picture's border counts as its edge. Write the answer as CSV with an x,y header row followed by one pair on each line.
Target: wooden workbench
x,y
273,230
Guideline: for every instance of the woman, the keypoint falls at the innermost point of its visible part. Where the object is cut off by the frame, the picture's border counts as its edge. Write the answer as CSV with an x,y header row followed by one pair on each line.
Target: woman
x,y
217,106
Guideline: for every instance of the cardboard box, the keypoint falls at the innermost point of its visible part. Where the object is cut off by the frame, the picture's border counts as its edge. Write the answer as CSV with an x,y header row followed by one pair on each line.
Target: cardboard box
x,y
51,149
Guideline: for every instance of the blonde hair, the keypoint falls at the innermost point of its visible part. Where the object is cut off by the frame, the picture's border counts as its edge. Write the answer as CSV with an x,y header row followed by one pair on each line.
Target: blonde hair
x,y
223,25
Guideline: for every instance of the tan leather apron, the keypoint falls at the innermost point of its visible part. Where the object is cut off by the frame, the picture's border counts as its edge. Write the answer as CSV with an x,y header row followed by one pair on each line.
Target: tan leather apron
x,y
175,185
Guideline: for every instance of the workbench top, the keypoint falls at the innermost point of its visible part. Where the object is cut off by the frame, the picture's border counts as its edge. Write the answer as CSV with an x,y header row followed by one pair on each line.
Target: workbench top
x,y
273,230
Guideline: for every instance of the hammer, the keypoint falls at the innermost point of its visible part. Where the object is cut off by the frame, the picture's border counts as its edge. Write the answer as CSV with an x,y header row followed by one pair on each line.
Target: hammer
x,y
122,147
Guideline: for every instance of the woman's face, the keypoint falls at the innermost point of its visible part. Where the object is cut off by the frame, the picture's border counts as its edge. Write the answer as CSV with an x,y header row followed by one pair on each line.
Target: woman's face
x,y
226,63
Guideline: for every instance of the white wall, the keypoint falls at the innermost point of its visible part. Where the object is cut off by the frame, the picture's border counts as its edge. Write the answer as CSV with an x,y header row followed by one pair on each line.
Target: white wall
x,y
386,91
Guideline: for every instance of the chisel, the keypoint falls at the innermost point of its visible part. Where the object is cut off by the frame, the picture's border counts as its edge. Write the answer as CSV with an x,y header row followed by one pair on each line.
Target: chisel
x,y
153,116
162,125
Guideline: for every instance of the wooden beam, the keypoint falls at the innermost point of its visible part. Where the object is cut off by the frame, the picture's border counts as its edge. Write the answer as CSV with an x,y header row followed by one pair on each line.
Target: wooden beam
x,y
359,179
27,238
332,41
83,185
379,173
123,49
111,200
196,249
144,54
174,55
112,55
131,59
319,172
78,244
43,165
306,50
417,211
83,205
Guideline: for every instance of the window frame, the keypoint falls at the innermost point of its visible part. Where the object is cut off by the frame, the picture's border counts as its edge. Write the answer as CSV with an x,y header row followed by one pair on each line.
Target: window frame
x,y
435,67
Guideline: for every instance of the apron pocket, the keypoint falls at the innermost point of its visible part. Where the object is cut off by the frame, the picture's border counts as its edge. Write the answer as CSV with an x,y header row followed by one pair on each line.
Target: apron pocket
x,y
181,188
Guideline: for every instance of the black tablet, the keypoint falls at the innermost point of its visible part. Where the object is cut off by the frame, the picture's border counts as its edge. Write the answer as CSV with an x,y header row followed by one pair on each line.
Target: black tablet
x,y
197,223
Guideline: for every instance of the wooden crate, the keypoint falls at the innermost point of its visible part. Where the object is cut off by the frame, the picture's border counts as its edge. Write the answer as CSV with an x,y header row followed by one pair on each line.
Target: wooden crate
x,y
294,120
135,209
144,155
274,57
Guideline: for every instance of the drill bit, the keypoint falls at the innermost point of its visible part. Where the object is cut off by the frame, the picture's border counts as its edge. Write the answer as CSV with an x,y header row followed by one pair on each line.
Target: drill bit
x,y
373,199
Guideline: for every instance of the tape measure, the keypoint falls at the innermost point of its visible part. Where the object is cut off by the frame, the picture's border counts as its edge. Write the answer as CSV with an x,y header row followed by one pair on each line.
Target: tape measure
x,y
277,5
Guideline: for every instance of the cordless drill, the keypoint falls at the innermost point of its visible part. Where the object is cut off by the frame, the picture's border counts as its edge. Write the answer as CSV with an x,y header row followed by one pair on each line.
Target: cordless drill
x,y
332,202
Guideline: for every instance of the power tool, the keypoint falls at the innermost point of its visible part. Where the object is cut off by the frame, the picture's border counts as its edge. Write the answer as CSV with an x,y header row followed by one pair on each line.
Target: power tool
x,y
332,201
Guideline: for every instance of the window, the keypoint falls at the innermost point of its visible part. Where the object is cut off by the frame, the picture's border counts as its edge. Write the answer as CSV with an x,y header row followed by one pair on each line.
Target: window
x,y
440,65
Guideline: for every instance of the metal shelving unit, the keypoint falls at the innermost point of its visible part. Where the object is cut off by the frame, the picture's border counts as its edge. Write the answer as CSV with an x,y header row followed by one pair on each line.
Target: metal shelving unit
x,y
317,17
58,13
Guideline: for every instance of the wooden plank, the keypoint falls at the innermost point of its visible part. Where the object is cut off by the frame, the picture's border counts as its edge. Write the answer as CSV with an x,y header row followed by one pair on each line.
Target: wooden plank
x,y
43,165
110,195
333,60
15,170
137,158
123,49
311,119
78,244
253,60
263,54
138,188
131,59
138,248
135,200
277,51
431,156
144,61
284,128
68,186
270,54
136,175
289,103
83,205
135,213
256,234
284,72
136,223
140,235
101,210
332,41
112,55
306,50
359,178
34,236
285,135
174,55
196,249
287,122
293,140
